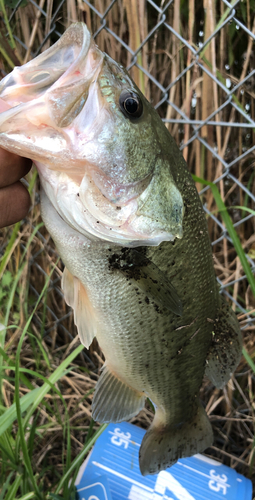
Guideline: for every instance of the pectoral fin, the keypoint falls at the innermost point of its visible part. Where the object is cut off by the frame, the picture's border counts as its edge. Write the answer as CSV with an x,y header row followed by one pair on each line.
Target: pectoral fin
x,y
145,275
226,349
84,315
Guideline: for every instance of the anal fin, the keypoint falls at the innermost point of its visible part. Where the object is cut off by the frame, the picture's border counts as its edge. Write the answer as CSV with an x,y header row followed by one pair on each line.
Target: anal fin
x,y
113,400
84,315
226,349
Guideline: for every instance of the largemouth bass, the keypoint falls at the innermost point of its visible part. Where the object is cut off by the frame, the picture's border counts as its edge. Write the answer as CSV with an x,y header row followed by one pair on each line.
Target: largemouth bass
x,y
124,213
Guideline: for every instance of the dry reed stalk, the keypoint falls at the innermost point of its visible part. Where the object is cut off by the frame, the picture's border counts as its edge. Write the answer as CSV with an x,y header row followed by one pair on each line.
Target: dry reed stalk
x,y
162,62
48,22
236,285
228,132
5,393
35,31
71,346
214,401
189,90
72,15
231,119
174,91
143,23
219,267
193,153
115,20
226,454
251,398
230,278
135,21
225,252
105,40
228,404
85,14
24,22
208,104
198,146
12,249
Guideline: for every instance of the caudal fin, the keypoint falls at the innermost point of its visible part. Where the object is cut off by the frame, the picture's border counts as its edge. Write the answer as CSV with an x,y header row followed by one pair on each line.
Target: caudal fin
x,y
163,445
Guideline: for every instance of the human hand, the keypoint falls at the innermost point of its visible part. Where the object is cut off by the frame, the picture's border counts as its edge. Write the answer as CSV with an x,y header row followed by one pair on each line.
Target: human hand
x,y
14,197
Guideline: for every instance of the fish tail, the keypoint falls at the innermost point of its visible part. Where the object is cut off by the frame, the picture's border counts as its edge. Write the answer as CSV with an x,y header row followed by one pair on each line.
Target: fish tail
x,y
164,444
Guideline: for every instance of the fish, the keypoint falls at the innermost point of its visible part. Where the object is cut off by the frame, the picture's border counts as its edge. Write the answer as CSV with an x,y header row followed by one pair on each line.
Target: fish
x,y
128,223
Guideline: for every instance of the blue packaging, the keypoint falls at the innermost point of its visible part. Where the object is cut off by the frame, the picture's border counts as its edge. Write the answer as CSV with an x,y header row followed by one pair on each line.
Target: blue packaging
x,y
112,469
94,488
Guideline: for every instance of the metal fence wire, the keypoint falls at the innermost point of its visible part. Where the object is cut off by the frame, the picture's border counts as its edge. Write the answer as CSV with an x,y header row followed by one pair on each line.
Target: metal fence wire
x,y
195,62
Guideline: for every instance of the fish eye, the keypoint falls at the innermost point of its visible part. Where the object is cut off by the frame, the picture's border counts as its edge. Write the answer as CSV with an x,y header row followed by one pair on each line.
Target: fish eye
x,y
131,104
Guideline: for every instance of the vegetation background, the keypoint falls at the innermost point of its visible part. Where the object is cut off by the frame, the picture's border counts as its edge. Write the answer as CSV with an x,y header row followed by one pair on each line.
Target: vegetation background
x,y
194,60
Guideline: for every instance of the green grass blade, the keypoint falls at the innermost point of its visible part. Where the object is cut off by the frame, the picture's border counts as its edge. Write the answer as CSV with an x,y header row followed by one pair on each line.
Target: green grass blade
x,y
58,373
10,415
37,398
12,293
244,209
248,359
67,452
9,247
6,485
2,8
78,460
6,445
11,495
27,496
90,431
26,457
10,365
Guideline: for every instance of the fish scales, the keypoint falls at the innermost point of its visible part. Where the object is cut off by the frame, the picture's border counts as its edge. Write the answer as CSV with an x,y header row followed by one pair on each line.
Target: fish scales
x,y
127,221
131,337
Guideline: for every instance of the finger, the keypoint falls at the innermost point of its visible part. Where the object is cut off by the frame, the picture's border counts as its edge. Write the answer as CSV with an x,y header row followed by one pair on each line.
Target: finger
x,y
14,204
12,167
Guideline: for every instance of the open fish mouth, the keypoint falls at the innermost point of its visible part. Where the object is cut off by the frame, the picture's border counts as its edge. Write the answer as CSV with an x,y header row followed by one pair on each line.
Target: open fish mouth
x,y
65,115
45,96
30,81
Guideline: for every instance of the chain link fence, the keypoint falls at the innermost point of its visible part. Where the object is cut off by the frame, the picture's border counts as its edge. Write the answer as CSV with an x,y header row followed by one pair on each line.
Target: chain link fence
x,y
195,62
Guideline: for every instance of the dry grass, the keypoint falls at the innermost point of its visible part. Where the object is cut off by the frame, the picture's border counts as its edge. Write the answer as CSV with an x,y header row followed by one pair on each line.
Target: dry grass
x,y
47,343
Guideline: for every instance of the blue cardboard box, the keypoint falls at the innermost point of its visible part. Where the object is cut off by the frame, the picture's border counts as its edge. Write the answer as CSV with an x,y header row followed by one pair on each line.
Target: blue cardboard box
x,y
111,472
